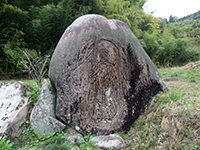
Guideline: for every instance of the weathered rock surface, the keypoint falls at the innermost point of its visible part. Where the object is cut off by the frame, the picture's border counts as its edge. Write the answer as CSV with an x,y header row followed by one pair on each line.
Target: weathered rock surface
x,y
109,141
13,107
102,76
43,119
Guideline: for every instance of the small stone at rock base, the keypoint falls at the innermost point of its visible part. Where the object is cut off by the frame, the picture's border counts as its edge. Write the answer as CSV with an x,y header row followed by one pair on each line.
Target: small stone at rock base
x,y
43,119
109,141
73,136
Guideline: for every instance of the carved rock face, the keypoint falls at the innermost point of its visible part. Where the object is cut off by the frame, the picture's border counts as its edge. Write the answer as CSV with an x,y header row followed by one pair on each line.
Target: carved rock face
x,y
102,76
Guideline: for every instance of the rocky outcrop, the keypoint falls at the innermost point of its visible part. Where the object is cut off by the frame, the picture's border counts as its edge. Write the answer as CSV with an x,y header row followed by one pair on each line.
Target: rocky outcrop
x,y
43,119
14,107
102,76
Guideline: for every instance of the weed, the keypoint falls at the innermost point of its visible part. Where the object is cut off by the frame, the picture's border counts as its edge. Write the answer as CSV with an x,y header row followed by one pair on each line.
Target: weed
x,y
33,96
28,137
5,144
175,74
87,144
194,147
56,143
26,121
89,136
141,122
172,95
120,134
193,80
90,145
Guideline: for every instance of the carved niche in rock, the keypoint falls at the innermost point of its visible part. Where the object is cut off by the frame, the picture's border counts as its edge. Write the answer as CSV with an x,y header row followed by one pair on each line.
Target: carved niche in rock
x,y
102,76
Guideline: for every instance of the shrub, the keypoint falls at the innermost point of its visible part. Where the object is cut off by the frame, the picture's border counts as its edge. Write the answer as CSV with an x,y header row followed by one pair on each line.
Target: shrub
x,y
174,52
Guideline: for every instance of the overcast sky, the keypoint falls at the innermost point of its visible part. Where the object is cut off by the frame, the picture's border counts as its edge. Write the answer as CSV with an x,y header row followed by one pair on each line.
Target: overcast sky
x,y
165,8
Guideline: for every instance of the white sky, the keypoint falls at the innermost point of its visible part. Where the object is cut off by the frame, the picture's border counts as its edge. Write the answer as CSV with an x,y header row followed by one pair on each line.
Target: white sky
x,y
165,8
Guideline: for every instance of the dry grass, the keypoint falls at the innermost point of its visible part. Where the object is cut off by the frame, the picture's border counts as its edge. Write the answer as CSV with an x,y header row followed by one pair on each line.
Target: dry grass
x,y
172,121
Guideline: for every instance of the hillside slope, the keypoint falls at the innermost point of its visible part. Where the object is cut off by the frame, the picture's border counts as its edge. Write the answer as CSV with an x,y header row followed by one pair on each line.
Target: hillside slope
x,y
173,119
195,16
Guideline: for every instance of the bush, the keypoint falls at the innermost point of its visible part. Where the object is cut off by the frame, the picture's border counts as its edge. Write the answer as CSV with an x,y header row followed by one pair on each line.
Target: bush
x,y
174,52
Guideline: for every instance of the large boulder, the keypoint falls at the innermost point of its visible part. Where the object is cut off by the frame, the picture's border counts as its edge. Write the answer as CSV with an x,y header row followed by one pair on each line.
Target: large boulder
x,y
43,119
14,107
102,76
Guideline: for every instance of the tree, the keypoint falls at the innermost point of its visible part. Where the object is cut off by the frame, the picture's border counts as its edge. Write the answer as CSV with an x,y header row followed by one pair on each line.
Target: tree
x,y
26,4
128,11
12,36
151,44
162,23
172,19
173,51
47,25
150,23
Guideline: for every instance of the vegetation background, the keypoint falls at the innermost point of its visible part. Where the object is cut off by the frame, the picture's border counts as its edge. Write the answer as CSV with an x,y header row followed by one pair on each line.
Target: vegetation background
x,y
36,26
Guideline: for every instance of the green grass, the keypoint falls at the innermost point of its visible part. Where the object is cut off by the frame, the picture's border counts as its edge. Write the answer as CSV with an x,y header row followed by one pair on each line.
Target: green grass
x,y
5,144
187,75
56,143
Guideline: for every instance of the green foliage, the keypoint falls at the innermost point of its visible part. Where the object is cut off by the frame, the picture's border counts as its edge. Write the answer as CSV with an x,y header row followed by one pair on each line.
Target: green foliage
x,y
37,25
169,96
12,36
128,11
174,43
89,136
172,19
174,52
87,144
5,144
54,141
170,51
33,96
120,134
151,44
149,24
195,16
28,139
46,26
